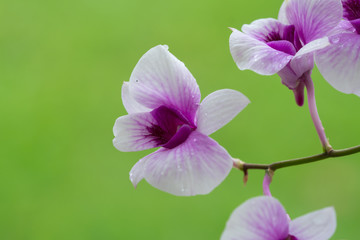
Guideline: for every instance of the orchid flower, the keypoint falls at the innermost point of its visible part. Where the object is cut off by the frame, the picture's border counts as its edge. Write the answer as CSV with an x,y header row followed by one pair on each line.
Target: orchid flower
x,y
286,47
264,218
162,99
339,63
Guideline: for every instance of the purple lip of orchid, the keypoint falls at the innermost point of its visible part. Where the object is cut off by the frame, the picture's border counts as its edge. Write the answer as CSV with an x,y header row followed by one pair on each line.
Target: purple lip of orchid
x,y
286,40
352,12
172,127
162,99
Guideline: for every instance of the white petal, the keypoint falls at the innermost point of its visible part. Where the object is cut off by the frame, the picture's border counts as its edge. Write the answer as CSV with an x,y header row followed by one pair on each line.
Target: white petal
x,y
304,59
282,13
318,225
340,62
259,218
313,18
253,54
130,104
137,172
159,78
219,108
132,132
196,166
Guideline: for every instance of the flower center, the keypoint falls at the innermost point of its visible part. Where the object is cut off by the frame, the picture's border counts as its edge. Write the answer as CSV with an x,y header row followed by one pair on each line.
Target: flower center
x,y
351,9
352,13
286,40
291,237
172,128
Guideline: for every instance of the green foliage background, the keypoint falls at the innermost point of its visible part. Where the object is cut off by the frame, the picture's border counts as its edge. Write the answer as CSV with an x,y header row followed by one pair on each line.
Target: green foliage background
x,y
62,64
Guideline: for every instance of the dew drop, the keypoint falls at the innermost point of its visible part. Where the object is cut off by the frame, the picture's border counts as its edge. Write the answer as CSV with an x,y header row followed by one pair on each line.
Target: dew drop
x,y
335,40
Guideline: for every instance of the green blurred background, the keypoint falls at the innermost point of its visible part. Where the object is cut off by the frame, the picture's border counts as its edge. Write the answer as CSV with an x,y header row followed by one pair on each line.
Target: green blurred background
x,y
62,64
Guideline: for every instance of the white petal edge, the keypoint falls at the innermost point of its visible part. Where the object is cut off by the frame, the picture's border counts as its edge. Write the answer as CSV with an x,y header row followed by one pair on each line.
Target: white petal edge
x,y
219,108
132,132
250,53
318,225
159,78
137,172
129,102
196,166
340,63
260,218
282,13
304,59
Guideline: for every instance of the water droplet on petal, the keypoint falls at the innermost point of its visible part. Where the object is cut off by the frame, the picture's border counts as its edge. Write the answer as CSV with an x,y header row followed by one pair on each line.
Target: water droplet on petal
x,y
335,40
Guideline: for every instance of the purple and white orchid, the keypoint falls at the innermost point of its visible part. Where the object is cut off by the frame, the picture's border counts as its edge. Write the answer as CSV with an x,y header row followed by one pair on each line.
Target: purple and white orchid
x,y
264,218
286,46
163,102
339,63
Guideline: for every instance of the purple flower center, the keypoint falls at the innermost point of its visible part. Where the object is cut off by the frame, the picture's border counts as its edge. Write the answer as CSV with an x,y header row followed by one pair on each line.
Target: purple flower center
x,y
172,128
287,40
291,237
352,12
351,9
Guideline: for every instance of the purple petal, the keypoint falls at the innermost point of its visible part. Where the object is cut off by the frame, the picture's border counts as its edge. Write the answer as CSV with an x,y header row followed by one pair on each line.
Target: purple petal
x,y
181,135
260,218
340,62
219,108
256,55
356,24
312,18
318,225
196,166
130,104
351,9
289,77
283,46
132,132
159,78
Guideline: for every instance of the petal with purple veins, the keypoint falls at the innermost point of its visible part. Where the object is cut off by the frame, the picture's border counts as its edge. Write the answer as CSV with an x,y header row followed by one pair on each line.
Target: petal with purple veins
x,y
260,218
256,55
159,78
130,104
318,225
133,132
266,29
312,18
340,62
219,108
196,166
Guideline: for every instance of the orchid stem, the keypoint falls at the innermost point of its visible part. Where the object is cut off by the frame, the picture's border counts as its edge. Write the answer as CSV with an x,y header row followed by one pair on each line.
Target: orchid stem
x,y
299,161
314,113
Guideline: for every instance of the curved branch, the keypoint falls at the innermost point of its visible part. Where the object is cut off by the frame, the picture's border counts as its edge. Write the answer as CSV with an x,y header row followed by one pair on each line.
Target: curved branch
x,y
297,161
